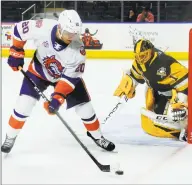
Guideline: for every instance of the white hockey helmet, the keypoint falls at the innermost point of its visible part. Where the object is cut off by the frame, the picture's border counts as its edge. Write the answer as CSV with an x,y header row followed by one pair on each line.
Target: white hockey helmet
x,y
70,22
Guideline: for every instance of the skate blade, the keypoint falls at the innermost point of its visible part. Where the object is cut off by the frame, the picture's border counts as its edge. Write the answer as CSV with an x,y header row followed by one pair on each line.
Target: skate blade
x,y
114,151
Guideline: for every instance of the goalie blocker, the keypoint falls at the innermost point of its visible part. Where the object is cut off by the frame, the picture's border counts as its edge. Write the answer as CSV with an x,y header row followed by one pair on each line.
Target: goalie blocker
x,y
165,114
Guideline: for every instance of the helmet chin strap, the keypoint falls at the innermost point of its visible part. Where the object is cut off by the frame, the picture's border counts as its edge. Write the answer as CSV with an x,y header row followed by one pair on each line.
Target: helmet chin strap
x,y
60,34
59,31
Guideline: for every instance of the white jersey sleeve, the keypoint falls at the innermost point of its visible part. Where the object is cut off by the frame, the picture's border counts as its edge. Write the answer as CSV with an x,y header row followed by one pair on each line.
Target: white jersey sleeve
x,y
33,29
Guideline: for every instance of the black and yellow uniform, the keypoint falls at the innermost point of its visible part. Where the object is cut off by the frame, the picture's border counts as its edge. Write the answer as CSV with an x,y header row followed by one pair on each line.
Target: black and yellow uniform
x,y
162,73
165,78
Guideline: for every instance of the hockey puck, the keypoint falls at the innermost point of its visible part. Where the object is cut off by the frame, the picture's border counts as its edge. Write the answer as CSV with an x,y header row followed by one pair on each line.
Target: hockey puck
x,y
119,172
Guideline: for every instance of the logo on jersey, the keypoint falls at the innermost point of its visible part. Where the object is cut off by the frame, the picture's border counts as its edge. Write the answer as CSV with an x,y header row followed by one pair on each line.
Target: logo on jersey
x,y
39,23
53,66
57,46
46,44
162,72
82,50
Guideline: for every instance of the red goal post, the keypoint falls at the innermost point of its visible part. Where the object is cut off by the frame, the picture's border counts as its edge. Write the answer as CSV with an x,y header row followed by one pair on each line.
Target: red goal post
x,y
190,90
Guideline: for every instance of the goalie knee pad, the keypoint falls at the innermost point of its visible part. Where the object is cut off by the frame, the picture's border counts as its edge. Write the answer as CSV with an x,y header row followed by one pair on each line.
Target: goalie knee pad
x,y
155,102
149,99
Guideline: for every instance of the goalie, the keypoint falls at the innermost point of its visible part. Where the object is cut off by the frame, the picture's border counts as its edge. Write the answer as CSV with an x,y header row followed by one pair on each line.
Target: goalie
x,y
165,114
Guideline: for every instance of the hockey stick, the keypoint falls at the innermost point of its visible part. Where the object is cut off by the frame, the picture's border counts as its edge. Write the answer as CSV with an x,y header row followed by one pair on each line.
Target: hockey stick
x,y
104,168
117,107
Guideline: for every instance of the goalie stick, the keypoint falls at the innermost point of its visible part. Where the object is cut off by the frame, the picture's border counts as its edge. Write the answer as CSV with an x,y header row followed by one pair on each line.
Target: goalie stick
x,y
103,168
117,107
157,118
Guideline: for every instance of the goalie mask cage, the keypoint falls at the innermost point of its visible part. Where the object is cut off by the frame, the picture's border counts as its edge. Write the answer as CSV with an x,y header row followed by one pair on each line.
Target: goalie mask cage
x,y
190,90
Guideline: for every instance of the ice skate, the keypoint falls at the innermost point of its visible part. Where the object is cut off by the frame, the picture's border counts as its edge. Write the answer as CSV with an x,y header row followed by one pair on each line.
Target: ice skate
x,y
102,142
8,144
183,135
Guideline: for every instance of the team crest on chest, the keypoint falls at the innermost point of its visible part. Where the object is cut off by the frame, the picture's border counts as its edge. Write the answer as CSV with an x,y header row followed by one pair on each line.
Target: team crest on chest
x,y
162,72
53,66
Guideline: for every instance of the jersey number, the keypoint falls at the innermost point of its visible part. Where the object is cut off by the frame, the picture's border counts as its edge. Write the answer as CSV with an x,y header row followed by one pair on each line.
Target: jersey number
x,y
25,26
80,68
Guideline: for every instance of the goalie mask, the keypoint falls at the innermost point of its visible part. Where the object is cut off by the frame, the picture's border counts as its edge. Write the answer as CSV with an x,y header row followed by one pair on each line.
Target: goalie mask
x,y
144,51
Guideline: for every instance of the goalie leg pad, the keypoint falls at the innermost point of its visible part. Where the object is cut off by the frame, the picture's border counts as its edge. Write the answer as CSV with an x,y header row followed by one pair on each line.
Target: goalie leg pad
x,y
155,102
158,129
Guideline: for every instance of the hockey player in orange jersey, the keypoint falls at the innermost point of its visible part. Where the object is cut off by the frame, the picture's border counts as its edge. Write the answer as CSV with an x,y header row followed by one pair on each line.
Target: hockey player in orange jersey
x,y
58,61
165,114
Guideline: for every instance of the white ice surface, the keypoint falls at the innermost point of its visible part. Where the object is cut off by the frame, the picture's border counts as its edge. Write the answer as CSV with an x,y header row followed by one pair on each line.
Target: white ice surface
x,y
46,153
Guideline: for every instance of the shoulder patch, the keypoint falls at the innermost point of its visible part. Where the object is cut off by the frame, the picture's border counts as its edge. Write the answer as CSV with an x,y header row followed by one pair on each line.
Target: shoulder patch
x,y
82,50
39,23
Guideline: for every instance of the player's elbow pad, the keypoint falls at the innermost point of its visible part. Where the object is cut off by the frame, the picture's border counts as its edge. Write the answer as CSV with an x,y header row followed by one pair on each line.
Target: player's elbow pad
x,y
64,87
126,87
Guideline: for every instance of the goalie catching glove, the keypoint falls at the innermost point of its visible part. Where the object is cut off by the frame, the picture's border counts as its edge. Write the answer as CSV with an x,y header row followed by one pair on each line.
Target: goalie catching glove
x,y
179,109
126,87
178,112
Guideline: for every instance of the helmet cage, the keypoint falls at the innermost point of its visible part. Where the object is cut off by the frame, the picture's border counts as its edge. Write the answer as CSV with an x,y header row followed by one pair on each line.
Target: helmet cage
x,y
143,57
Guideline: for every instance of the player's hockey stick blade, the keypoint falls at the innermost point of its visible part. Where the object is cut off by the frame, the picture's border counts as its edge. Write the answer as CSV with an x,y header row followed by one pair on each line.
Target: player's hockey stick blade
x,y
104,168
